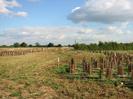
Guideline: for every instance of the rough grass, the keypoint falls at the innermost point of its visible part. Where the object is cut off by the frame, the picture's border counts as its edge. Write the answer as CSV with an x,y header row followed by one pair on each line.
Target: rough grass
x,y
32,76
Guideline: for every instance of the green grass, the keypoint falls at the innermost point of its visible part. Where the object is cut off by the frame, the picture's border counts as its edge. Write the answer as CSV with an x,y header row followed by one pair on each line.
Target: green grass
x,y
61,69
15,94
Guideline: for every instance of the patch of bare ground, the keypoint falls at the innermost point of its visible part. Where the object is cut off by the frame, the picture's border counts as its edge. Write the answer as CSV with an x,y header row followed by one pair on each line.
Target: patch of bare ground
x,y
93,90
11,90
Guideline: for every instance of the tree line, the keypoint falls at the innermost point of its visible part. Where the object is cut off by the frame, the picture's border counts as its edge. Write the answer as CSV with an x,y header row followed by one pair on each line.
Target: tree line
x,y
24,44
79,46
104,46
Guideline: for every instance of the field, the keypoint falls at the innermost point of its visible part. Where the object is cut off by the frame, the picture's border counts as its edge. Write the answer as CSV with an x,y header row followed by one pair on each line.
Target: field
x,y
42,74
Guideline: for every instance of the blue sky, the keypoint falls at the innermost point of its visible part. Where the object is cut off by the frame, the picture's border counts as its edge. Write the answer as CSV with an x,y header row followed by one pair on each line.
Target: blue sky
x,y
64,21
43,12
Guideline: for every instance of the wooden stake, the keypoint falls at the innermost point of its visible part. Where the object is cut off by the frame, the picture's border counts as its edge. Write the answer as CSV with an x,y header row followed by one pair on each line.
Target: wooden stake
x,y
120,70
109,73
72,66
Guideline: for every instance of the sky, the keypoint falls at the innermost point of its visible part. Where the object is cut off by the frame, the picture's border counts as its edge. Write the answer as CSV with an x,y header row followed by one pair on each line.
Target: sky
x,y
65,21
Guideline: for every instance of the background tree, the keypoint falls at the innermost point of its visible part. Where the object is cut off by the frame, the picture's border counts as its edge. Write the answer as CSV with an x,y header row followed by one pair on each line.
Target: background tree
x,y
59,45
23,44
16,44
104,46
51,45
30,45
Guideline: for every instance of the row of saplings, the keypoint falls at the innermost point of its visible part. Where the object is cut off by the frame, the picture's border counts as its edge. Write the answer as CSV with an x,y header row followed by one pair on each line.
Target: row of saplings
x,y
106,65
19,52
24,51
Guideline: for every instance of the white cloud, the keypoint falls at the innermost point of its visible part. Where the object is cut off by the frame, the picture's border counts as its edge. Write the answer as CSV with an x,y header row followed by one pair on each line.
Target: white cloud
x,y
6,5
77,8
63,35
103,11
12,3
22,14
67,34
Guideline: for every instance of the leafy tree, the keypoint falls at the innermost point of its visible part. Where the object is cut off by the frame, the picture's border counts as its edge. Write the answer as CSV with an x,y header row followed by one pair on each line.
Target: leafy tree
x,y
30,45
23,44
16,44
59,45
105,46
51,45
70,45
3,46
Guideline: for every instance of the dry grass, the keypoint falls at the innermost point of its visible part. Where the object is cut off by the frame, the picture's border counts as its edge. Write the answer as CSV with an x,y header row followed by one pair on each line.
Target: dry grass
x,y
31,76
